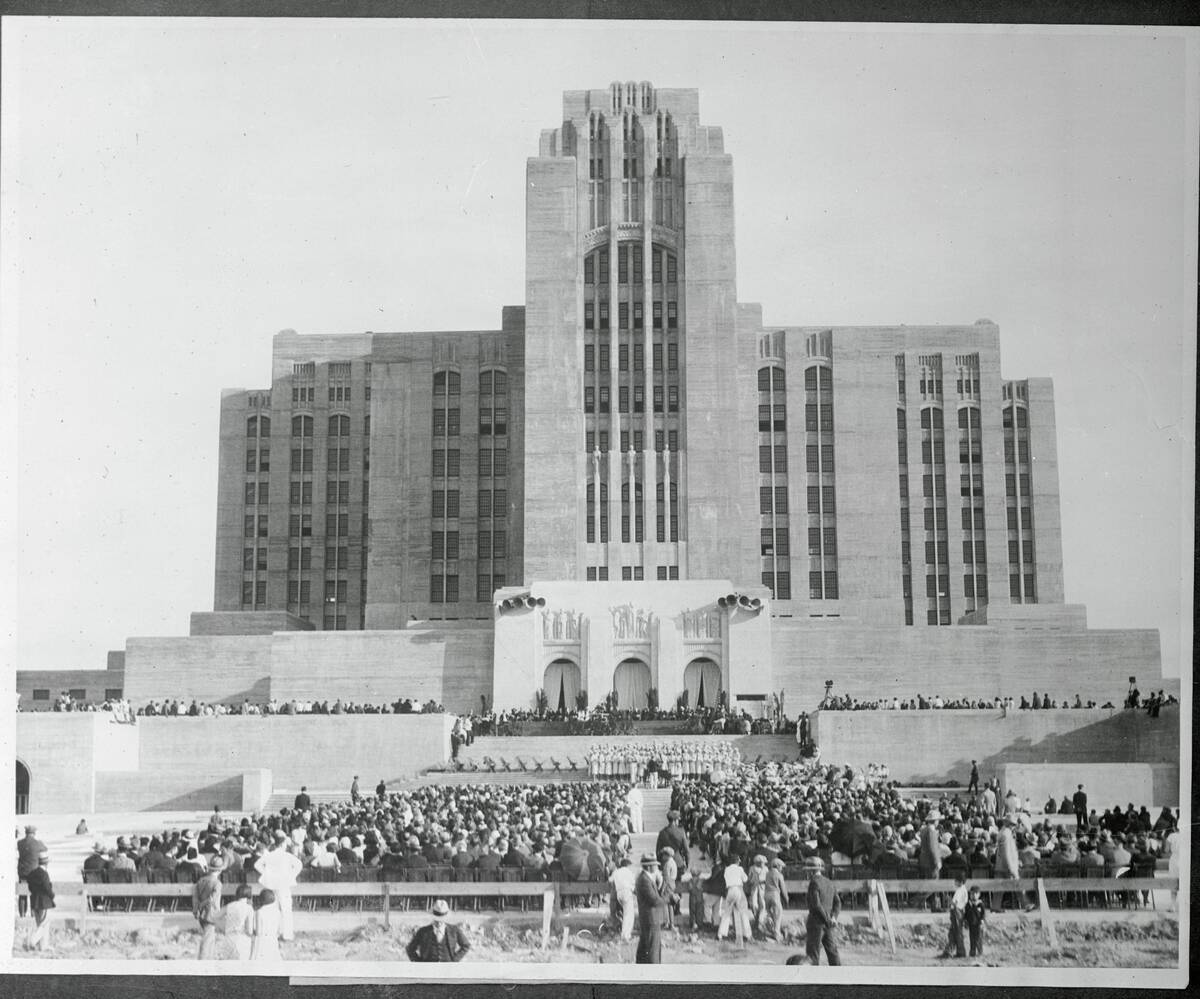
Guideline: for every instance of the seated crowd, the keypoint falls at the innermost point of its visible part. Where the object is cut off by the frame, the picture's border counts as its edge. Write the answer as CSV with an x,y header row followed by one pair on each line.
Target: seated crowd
x,y
197,709
797,811
572,831
606,720
1043,701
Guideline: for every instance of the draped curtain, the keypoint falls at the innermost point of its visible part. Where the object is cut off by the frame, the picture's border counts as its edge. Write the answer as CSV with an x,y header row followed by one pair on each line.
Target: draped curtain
x,y
631,681
562,684
708,672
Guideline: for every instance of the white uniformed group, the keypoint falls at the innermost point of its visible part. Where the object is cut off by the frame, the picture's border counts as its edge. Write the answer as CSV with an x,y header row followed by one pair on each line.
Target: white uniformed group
x,y
677,759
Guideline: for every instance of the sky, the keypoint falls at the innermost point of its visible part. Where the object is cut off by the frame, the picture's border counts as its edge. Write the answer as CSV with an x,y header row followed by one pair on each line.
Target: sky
x,y
176,191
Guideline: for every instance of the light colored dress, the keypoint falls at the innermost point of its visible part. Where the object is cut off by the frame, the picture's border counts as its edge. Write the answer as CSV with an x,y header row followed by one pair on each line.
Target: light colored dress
x,y
239,926
266,934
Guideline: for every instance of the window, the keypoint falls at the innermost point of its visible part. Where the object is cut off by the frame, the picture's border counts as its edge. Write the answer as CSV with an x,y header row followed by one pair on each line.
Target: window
x,y
623,399
672,398
672,357
302,426
604,399
262,525
672,316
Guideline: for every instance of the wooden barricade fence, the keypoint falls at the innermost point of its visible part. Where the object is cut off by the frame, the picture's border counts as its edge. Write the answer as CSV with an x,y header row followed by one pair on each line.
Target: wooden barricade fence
x,y
876,892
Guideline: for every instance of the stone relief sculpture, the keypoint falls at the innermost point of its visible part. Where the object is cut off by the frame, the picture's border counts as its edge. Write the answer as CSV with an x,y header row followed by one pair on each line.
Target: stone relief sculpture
x,y
629,623
700,625
561,626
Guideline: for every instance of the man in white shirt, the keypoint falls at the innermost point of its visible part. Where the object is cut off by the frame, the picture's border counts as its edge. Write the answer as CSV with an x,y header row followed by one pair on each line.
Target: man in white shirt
x,y
624,900
735,906
278,870
635,802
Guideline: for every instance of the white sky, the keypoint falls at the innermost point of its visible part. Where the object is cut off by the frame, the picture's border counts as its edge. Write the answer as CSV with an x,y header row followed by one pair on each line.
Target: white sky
x,y
176,191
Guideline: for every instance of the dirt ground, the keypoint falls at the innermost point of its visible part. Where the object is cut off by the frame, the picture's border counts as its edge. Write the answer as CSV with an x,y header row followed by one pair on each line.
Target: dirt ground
x,y
1017,942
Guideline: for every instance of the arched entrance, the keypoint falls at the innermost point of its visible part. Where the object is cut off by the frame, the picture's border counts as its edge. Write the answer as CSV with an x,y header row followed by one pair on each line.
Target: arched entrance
x,y
561,685
702,680
22,788
631,684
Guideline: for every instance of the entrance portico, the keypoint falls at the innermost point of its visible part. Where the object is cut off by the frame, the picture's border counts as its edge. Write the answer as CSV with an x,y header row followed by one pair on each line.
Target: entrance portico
x,y
629,637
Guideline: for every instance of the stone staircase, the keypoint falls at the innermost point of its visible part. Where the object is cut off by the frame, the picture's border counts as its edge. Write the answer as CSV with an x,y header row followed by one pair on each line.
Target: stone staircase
x,y
655,805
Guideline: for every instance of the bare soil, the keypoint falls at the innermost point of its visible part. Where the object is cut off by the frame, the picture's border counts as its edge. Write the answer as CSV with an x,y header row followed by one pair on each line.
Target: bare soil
x,y
1015,943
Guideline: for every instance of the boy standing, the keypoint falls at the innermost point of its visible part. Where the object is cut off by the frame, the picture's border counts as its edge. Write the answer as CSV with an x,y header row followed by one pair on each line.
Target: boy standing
x,y
973,916
955,946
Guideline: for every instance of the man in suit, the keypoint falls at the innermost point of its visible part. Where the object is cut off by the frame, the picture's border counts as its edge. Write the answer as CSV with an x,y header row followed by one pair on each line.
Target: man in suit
x,y
438,941
652,910
1079,803
41,901
824,904
27,858
303,802
206,907
674,836
929,857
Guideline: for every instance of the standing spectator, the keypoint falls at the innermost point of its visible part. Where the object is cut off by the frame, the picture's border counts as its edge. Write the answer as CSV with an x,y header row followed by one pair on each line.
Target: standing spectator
x,y
238,925
355,794
973,784
670,884
974,916
955,946
756,880
775,897
1079,802
278,869
651,903
674,836
623,900
824,905
206,907
735,906
1008,864
929,858
303,802
41,901
438,941
636,803
266,928
381,789
28,850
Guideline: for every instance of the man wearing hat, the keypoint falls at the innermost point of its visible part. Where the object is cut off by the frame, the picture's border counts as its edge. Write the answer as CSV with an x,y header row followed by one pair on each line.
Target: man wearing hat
x,y
278,869
929,857
824,904
674,836
439,940
206,907
41,900
652,910
27,857
775,897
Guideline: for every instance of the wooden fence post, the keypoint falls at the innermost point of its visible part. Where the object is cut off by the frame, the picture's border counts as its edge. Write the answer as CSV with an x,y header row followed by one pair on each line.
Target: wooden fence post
x,y
83,908
887,914
387,905
873,904
549,898
1047,919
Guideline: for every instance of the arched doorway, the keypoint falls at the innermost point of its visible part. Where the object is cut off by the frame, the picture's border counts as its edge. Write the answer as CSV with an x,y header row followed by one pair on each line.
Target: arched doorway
x,y
631,684
561,685
22,788
702,680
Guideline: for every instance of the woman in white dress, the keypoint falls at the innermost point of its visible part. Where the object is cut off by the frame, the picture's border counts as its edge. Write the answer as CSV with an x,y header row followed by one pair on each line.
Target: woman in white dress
x,y
239,923
266,928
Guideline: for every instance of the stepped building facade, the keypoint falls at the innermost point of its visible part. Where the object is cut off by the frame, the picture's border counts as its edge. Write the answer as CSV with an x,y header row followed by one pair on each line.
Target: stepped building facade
x,y
633,484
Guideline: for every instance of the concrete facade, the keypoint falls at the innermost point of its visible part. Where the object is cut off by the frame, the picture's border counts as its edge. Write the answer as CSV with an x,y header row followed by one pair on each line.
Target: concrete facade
x,y
889,496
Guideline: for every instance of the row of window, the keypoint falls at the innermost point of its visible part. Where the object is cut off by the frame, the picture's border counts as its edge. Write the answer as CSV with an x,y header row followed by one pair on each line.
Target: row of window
x,y
775,499
629,265
638,396
623,356
596,315
300,559
447,462
593,438
489,544
78,693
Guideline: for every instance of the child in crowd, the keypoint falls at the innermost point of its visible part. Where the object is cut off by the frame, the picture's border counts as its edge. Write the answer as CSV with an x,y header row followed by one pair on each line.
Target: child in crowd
x,y
973,916
955,946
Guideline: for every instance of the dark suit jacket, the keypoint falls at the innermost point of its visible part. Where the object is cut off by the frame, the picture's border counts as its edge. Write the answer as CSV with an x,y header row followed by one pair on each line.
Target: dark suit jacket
x,y
424,945
27,854
824,903
674,837
41,891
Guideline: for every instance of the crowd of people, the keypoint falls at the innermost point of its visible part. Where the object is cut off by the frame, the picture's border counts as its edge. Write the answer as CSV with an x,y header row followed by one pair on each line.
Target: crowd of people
x,y
202,709
1042,701
660,760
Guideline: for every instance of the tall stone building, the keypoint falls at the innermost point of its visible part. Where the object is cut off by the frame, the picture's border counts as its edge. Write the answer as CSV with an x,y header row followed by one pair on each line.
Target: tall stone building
x,y
572,499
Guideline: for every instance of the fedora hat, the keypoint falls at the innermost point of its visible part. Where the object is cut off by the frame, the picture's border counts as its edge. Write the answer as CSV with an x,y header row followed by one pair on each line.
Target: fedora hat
x,y
441,909
649,860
